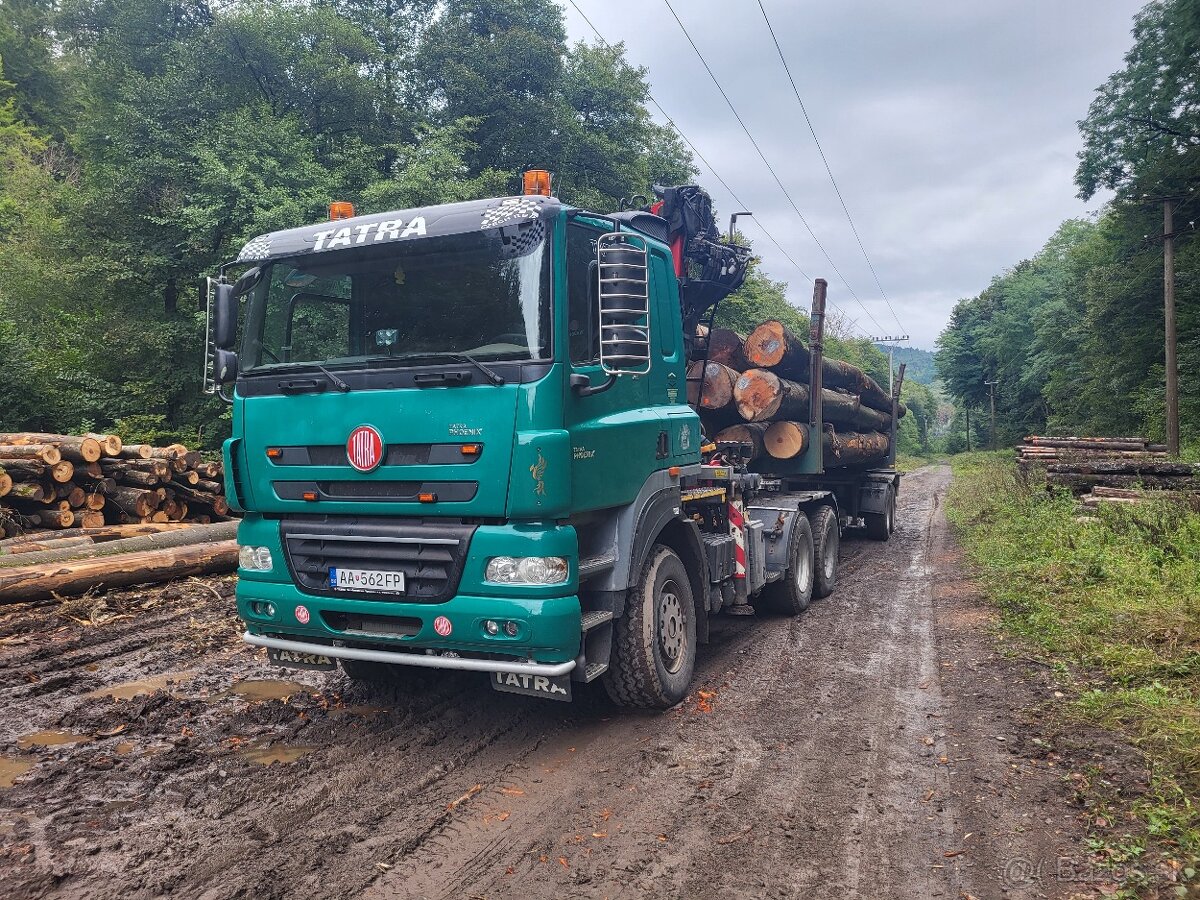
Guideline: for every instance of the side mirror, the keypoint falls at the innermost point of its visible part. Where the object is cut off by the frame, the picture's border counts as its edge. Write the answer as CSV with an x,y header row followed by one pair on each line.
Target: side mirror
x,y
623,292
225,367
224,316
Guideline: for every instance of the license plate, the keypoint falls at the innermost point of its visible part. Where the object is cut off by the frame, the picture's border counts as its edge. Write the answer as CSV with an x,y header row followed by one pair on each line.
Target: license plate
x,y
556,687
290,659
370,581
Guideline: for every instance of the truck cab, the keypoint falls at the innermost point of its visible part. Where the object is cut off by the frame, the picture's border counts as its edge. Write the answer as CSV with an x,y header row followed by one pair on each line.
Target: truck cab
x,y
461,439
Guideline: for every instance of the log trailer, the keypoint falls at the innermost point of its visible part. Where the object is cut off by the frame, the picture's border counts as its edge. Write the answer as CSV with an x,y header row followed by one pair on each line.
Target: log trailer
x,y
461,440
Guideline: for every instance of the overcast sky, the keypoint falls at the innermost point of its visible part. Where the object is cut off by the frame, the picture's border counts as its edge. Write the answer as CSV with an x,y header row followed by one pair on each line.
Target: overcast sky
x,y
949,125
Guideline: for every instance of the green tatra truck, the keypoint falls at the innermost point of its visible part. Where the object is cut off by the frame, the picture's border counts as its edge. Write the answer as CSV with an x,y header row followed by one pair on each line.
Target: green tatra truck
x,y
462,440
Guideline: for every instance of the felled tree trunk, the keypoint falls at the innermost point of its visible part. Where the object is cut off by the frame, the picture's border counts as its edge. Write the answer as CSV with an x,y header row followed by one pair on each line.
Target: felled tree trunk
x,y
761,395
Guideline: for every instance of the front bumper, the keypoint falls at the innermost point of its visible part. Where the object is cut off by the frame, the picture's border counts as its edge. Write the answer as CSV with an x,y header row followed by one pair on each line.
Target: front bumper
x,y
548,629
412,659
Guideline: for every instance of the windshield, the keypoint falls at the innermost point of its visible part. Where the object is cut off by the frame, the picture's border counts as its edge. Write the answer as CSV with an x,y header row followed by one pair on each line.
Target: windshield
x,y
484,294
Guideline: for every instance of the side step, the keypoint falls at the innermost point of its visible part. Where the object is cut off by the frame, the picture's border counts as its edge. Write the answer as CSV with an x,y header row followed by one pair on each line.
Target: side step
x,y
596,626
592,566
594,618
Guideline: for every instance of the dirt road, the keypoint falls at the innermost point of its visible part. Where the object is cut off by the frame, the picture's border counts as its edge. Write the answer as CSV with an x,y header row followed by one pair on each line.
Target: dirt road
x,y
877,746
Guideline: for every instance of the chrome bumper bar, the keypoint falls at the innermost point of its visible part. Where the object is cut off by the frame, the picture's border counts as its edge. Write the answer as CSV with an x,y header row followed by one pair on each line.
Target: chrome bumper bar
x,y
412,659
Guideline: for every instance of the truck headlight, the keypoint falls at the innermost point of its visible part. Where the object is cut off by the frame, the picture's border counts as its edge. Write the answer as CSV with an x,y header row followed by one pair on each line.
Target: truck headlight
x,y
527,570
255,559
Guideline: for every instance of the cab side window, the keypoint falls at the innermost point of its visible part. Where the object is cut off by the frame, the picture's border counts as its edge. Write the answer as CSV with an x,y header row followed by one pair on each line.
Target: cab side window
x,y
583,326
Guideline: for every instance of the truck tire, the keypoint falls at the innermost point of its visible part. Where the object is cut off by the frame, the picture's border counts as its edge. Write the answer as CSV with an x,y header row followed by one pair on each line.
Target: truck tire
x,y
826,541
654,642
881,525
791,595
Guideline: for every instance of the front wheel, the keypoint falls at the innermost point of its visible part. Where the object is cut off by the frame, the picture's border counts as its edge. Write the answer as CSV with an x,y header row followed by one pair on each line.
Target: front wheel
x,y
654,642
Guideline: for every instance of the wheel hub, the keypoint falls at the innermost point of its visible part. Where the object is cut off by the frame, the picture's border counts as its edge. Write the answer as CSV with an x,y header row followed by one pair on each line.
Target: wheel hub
x,y
672,637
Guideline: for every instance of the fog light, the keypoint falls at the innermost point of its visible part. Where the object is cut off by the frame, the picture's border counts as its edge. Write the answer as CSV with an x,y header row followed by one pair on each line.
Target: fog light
x,y
255,559
491,627
510,628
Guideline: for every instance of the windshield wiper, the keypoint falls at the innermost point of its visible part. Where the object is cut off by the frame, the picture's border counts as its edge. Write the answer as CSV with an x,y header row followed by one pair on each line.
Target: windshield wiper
x,y
489,374
333,379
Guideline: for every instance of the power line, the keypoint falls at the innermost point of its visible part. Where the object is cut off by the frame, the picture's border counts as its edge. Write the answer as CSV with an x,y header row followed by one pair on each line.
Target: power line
x,y
828,170
853,323
770,168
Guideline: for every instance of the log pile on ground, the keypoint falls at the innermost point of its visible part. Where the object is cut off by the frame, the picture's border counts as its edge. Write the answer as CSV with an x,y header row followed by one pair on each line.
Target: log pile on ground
x,y
756,391
57,482
40,568
1109,470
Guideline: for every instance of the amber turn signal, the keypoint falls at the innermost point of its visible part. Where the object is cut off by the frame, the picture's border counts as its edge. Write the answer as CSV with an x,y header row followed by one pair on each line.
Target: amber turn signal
x,y
309,495
537,181
470,449
274,452
341,209
427,497
673,471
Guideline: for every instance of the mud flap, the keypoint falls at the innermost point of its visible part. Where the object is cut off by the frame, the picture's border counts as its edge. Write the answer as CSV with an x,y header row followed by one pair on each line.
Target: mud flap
x,y
545,686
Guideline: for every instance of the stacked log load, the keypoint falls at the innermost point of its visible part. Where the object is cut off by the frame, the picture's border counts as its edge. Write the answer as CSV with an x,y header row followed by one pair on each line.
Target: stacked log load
x,y
756,391
1112,470
54,482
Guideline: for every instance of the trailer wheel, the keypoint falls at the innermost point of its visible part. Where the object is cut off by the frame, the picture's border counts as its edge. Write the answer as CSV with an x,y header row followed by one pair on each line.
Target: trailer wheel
x,y
826,540
791,595
654,643
881,525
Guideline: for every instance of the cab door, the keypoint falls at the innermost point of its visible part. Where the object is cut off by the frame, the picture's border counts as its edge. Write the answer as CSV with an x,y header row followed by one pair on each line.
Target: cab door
x,y
618,437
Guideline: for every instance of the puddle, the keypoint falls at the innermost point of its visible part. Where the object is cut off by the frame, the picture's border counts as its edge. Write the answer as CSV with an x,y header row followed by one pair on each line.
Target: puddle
x,y
123,748
11,769
50,739
131,689
280,753
267,689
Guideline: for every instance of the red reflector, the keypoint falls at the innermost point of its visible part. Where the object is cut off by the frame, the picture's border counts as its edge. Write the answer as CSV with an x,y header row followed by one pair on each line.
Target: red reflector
x,y
274,453
470,449
309,495
427,498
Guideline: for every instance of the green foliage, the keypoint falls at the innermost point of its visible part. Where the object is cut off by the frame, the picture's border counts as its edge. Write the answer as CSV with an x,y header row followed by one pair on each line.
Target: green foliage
x,y
142,142
1075,335
1142,132
1113,595
918,363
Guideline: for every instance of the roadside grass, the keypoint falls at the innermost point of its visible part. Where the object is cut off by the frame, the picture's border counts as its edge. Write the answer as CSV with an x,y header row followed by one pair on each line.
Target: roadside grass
x,y
1113,599
908,462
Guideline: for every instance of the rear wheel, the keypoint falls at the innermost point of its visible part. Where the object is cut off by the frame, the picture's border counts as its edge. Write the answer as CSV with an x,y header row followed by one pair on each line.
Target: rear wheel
x,y
654,643
881,525
792,593
826,540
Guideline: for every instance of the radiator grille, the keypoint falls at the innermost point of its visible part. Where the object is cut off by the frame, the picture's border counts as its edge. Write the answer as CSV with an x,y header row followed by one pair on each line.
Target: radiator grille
x,y
430,554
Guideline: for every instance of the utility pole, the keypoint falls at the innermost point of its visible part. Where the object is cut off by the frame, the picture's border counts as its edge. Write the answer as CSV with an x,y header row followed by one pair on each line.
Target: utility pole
x,y
890,339
1169,336
992,391
1169,321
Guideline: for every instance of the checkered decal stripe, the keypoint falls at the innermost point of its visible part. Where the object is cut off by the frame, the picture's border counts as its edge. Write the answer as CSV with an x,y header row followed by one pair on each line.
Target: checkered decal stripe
x,y
259,248
513,209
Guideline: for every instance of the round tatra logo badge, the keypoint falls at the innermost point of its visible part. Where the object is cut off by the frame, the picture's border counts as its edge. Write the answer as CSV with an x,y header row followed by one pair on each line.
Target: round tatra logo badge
x,y
442,626
364,448
302,615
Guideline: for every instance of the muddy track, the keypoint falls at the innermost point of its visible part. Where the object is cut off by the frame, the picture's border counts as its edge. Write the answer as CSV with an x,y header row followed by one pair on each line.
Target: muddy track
x,y
876,746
